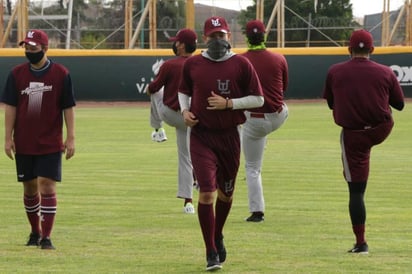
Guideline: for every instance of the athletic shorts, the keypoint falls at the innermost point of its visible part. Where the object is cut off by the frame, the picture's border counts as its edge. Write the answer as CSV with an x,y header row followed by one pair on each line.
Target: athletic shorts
x,y
30,167
356,146
215,158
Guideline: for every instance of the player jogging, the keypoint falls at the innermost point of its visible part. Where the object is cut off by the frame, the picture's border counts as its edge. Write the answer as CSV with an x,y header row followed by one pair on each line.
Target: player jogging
x,y
220,85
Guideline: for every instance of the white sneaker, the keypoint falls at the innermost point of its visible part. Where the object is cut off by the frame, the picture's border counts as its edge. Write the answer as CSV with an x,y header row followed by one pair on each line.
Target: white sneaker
x,y
161,135
154,136
189,208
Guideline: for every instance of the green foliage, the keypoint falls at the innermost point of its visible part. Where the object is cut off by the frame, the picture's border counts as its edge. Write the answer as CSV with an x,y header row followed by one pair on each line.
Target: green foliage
x,y
307,25
90,39
117,211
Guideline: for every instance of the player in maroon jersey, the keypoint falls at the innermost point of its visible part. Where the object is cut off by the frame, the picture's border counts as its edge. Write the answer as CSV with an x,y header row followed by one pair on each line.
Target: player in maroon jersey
x,y
38,96
163,94
361,93
272,70
216,87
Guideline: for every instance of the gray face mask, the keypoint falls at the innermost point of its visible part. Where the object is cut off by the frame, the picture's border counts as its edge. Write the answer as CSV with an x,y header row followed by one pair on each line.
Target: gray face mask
x,y
217,48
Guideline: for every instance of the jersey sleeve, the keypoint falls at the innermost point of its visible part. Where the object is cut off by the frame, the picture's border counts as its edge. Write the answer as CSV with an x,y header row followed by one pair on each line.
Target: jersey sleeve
x,y
9,95
396,96
185,85
68,99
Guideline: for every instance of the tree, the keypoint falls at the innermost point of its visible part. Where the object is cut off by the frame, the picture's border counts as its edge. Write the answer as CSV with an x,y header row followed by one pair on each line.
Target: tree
x,y
329,23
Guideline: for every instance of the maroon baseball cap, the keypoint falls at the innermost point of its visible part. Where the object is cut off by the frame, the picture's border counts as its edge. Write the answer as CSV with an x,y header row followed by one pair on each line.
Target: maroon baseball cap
x,y
186,36
255,26
361,39
215,24
35,37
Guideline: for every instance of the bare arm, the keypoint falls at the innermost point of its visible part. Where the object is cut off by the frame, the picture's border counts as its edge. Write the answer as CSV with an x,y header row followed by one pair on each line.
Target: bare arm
x,y
9,121
69,143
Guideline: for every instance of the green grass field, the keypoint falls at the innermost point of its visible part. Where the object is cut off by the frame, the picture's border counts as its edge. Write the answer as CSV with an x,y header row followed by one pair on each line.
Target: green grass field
x,y
117,211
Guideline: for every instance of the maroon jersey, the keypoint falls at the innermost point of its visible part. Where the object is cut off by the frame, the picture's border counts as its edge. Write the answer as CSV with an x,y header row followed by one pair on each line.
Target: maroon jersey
x,y
272,70
39,97
233,78
169,77
361,92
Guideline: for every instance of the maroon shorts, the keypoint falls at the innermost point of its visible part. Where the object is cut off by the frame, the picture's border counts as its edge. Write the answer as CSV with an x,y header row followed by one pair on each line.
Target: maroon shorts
x,y
356,146
215,158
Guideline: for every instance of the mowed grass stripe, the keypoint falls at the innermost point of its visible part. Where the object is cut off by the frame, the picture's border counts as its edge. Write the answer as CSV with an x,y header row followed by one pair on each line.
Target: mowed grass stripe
x,y
117,210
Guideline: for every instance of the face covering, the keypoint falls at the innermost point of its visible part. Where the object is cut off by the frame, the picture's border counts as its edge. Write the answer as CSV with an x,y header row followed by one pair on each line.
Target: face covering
x,y
34,57
217,48
174,48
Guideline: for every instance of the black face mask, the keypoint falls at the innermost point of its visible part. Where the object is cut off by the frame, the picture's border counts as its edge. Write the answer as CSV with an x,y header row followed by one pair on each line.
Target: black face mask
x,y
34,57
174,48
217,48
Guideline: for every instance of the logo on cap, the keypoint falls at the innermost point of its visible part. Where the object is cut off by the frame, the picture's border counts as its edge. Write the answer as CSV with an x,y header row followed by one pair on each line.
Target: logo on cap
x,y
216,22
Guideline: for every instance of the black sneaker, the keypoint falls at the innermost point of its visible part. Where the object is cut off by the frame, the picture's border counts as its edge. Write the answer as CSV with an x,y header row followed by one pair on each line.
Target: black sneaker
x,y
213,261
34,239
256,217
221,250
360,249
46,243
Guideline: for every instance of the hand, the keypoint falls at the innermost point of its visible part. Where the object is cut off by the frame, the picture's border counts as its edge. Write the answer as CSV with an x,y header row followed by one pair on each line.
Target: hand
x,y
216,102
69,148
9,148
147,91
189,118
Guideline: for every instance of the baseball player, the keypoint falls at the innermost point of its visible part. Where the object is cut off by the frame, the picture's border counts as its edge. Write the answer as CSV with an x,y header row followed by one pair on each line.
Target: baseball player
x,y
158,133
220,85
361,93
38,96
272,70
163,92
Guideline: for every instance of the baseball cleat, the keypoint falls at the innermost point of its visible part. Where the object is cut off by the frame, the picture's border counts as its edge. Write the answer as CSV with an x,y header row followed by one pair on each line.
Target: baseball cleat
x,y
189,208
213,261
34,239
221,249
159,135
154,136
256,217
359,249
46,243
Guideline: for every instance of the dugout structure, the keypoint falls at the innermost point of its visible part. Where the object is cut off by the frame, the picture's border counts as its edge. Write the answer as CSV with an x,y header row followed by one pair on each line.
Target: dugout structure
x,y
122,75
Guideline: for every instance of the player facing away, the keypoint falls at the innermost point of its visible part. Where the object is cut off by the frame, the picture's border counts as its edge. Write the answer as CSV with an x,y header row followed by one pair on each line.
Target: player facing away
x,y
272,70
163,93
38,97
361,93
216,87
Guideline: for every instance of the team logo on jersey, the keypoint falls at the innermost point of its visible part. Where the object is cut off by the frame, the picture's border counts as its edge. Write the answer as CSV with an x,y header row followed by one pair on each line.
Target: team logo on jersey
x,y
223,86
403,74
36,87
35,91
